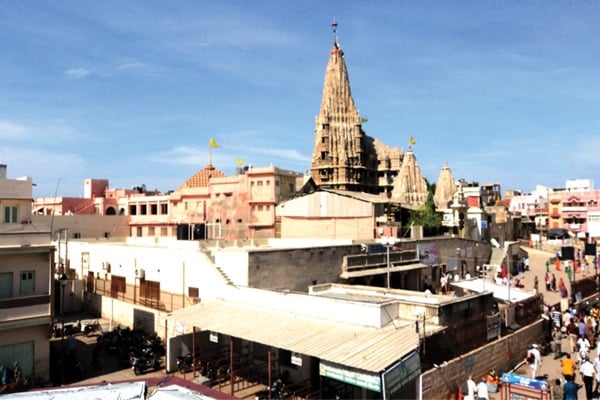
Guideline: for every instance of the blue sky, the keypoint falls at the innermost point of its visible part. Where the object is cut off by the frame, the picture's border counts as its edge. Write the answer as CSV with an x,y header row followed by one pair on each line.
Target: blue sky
x,y
132,91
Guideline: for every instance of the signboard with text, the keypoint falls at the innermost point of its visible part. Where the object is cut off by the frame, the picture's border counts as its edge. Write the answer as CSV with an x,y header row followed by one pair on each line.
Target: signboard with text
x,y
352,377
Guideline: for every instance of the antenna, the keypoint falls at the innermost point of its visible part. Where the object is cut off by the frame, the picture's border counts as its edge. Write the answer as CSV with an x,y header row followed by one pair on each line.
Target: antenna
x,y
53,199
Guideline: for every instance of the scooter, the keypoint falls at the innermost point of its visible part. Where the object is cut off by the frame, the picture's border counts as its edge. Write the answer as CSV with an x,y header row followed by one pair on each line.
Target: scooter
x,y
144,361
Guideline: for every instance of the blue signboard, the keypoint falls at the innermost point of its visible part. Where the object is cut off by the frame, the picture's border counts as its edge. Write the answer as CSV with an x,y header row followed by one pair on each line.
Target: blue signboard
x,y
405,371
484,225
524,381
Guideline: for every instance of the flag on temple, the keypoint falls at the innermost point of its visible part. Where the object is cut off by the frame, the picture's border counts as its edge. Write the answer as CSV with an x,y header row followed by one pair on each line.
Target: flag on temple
x,y
363,120
240,161
412,140
213,143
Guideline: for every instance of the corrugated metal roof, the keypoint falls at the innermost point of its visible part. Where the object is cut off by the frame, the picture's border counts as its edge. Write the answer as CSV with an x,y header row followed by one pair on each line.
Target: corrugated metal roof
x,y
366,348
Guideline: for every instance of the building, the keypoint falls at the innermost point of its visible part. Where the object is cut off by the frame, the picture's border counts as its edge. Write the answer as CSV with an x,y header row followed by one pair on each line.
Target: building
x,y
26,281
345,157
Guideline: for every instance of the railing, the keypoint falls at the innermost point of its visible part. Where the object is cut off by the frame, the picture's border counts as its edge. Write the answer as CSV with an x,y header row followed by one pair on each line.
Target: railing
x,y
368,261
26,301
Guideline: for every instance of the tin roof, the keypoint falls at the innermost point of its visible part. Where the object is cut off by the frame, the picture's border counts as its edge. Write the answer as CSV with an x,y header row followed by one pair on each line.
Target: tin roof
x,y
366,348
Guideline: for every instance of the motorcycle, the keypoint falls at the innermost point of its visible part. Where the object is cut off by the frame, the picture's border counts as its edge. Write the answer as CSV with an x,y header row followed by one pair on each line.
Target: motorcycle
x,y
186,363
144,361
91,328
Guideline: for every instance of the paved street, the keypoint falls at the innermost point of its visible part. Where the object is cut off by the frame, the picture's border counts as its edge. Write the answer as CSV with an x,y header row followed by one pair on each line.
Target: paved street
x,y
550,367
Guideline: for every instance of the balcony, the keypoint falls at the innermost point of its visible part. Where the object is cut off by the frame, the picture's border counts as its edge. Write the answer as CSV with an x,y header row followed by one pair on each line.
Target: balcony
x,y
17,311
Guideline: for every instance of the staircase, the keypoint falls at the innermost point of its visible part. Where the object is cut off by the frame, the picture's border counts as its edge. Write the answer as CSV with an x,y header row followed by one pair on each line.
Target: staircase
x,y
224,275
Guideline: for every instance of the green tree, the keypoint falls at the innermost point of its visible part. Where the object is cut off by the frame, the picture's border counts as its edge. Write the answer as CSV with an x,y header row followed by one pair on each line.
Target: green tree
x,y
426,216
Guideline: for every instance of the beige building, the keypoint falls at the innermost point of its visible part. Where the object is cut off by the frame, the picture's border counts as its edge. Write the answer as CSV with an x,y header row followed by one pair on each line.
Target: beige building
x,y
26,290
332,214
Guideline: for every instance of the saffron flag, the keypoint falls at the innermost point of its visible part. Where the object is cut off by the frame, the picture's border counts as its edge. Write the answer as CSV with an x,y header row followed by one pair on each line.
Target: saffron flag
x,y
213,143
412,140
240,161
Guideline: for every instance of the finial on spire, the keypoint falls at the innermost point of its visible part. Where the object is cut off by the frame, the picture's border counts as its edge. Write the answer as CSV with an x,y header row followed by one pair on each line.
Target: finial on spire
x,y
335,40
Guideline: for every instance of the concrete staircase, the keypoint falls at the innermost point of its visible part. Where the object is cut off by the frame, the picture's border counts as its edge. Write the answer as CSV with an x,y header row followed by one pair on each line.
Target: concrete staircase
x,y
224,275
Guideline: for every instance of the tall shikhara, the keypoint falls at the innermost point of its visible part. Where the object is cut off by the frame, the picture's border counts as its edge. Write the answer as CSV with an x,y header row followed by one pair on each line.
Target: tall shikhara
x,y
340,158
345,158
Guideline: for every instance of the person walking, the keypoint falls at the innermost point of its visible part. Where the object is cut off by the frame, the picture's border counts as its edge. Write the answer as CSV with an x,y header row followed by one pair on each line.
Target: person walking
x,y
587,373
557,390
573,332
534,359
597,372
570,390
557,336
568,367
471,387
482,390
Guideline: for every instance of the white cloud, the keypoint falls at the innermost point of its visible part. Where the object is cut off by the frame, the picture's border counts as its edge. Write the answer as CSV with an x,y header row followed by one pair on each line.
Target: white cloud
x,y
13,130
77,73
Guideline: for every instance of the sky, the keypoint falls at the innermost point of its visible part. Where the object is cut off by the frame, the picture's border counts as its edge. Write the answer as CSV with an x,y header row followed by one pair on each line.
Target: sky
x,y
132,91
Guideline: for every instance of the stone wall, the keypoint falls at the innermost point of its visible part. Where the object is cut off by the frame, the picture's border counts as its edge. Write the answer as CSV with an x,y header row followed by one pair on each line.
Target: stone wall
x,y
501,355
296,269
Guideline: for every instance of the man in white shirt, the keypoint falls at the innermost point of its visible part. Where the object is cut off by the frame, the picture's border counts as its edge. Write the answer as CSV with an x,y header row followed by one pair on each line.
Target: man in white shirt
x,y
471,388
534,359
587,372
597,371
482,391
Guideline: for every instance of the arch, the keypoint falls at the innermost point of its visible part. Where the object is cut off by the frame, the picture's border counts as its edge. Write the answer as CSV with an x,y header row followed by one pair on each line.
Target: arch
x,y
110,211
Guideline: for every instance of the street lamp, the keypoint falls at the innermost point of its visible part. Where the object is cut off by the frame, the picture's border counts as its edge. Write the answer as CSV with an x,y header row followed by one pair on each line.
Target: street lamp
x,y
388,241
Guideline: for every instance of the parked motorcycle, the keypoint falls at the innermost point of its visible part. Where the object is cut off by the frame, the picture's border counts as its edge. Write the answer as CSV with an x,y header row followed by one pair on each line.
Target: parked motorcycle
x,y
91,328
143,361
186,363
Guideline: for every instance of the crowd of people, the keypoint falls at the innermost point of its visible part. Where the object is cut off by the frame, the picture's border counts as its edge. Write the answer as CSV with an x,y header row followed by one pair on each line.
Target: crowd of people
x,y
581,329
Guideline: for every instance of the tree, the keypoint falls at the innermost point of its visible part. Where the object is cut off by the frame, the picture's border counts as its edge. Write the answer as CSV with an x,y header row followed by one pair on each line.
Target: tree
x,y
426,216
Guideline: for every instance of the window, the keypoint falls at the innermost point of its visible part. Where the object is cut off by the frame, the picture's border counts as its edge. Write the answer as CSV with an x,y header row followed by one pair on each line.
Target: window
x,y
11,214
117,286
143,209
154,209
163,231
193,292
151,231
132,209
164,208
150,293
6,285
259,183
27,283
139,231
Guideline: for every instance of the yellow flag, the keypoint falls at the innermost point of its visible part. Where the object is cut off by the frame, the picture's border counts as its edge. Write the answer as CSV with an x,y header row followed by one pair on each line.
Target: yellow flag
x,y
213,143
240,161
412,140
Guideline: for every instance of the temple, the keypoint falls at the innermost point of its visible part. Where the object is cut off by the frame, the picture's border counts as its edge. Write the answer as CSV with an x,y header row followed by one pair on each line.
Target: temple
x,y
346,158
